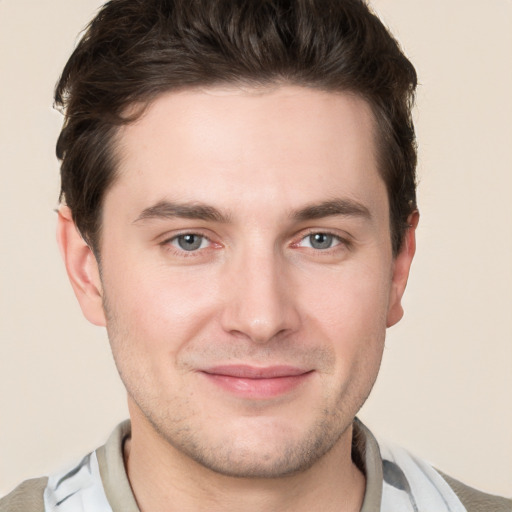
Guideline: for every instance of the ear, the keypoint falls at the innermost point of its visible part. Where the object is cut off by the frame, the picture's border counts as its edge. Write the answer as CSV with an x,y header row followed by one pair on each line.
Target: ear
x,y
81,266
401,267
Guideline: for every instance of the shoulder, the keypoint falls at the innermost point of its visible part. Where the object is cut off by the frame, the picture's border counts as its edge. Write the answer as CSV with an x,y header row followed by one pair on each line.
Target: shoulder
x,y
27,497
477,501
402,481
98,479
429,488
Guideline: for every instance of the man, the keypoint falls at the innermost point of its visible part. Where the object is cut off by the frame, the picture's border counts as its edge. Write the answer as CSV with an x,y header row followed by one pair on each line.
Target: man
x,y
238,209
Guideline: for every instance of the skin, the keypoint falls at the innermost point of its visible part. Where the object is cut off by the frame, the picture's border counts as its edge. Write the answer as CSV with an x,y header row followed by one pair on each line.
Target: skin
x,y
255,178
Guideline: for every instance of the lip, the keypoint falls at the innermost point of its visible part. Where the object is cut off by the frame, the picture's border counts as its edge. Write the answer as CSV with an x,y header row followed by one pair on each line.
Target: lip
x,y
254,382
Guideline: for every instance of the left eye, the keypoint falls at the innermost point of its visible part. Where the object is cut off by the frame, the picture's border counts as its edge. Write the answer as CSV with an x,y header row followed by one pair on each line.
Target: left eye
x,y
190,242
319,241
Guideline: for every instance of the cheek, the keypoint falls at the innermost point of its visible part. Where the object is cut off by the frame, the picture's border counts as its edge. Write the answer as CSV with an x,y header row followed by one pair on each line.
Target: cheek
x,y
156,306
349,299
150,321
350,314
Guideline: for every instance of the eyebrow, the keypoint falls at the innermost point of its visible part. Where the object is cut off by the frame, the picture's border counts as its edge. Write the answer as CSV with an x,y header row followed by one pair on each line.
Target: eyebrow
x,y
199,211
170,210
345,207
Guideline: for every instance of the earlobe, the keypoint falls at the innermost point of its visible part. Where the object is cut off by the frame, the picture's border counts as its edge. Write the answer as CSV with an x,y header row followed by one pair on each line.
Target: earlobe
x,y
401,268
81,266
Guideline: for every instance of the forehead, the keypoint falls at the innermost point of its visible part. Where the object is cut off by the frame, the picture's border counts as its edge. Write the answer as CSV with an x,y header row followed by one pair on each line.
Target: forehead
x,y
282,146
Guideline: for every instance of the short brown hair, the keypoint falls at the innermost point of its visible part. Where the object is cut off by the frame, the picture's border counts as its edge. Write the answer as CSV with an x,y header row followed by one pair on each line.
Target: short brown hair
x,y
135,50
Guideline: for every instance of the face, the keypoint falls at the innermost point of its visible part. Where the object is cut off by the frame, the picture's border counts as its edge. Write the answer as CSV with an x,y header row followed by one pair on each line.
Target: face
x,y
247,273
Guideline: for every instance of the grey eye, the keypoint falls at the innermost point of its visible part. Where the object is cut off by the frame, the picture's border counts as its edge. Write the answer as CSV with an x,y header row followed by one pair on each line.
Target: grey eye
x,y
321,240
190,242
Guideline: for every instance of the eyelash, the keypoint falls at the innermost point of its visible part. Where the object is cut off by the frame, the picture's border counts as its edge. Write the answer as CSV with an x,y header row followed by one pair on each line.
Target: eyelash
x,y
168,245
342,242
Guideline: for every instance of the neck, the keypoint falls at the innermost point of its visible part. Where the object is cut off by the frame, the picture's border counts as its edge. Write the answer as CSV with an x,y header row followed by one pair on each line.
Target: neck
x,y
166,479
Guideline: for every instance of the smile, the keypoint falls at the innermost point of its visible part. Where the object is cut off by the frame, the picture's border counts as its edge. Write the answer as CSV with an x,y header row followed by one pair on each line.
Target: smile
x,y
255,382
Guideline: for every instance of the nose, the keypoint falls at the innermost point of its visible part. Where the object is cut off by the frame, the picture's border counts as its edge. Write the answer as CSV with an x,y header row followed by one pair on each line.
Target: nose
x,y
260,302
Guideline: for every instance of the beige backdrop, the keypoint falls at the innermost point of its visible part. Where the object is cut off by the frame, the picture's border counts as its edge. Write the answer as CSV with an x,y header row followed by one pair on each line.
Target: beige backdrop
x,y
445,390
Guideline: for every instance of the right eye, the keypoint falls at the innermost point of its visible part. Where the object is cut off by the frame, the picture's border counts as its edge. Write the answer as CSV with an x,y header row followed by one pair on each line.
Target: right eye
x,y
189,242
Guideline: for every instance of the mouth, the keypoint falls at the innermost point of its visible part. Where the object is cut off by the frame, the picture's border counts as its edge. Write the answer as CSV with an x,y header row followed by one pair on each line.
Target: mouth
x,y
253,382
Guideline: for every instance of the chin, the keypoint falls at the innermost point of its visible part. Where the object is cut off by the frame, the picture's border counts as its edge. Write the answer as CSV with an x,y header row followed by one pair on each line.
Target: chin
x,y
263,451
